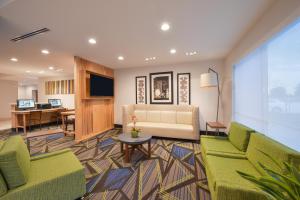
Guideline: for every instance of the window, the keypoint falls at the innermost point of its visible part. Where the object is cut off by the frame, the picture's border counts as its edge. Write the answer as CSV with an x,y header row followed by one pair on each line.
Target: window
x,y
266,88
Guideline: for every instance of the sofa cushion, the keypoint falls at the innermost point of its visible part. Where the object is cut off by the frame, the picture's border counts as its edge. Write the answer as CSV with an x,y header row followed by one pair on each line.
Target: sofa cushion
x,y
279,152
15,162
168,117
141,115
218,145
53,176
239,135
153,116
222,171
3,186
184,118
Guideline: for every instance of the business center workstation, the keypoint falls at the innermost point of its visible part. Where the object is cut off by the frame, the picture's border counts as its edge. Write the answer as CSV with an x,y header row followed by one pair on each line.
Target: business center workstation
x,y
27,114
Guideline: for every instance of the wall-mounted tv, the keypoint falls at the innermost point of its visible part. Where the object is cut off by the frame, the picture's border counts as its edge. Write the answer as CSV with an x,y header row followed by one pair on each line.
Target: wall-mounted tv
x,y
101,86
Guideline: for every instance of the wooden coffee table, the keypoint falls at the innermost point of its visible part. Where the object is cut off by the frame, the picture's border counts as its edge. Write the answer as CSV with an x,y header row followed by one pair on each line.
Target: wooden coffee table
x,y
134,143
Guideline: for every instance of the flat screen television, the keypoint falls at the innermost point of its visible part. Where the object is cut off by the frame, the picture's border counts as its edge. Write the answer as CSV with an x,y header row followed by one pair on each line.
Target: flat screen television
x,y
23,104
55,102
101,86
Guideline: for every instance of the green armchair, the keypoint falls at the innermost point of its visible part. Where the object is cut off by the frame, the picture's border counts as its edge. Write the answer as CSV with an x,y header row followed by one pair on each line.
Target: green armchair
x,y
56,175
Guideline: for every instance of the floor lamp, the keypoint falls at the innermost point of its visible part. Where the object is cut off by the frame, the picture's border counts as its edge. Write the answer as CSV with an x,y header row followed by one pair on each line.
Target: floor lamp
x,y
211,79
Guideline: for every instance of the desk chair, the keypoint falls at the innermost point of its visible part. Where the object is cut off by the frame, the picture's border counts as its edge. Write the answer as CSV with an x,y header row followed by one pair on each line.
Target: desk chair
x,y
35,117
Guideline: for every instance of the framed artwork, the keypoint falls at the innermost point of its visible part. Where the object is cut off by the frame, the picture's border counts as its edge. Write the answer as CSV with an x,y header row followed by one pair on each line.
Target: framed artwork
x,y
141,90
184,88
161,88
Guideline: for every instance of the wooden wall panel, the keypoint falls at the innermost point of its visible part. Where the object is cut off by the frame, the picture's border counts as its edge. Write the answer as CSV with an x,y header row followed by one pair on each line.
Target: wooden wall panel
x,y
94,115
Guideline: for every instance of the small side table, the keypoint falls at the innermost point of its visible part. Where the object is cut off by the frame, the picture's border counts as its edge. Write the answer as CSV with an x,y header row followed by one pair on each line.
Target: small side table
x,y
215,125
134,143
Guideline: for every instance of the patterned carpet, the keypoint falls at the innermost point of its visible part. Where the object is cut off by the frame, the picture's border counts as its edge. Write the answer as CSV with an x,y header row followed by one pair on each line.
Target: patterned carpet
x,y
174,171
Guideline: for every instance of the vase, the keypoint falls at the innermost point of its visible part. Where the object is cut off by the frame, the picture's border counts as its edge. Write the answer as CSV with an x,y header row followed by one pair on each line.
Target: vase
x,y
134,134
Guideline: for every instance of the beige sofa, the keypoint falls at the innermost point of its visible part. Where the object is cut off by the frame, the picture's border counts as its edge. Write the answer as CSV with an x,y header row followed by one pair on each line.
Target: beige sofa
x,y
173,121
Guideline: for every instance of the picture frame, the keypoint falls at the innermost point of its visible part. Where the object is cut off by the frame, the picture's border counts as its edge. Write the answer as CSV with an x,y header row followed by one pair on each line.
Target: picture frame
x,y
141,90
184,88
161,88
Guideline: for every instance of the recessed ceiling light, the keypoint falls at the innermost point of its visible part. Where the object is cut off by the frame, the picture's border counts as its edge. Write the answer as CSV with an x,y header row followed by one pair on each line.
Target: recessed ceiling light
x,y
146,59
51,68
45,51
92,41
165,26
28,71
41,72
120,58
172,51
14,59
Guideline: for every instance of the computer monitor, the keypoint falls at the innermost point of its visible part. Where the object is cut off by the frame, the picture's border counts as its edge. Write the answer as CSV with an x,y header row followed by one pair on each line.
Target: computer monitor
x,y
25,104
55,102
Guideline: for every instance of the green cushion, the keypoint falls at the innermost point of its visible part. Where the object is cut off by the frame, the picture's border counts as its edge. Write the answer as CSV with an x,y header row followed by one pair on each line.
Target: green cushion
x,y
58,175
226,183
239,135
3,187
279,152
213,144
15,162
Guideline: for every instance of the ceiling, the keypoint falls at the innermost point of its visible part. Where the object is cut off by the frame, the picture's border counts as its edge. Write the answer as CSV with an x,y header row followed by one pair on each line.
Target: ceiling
x,y
130,28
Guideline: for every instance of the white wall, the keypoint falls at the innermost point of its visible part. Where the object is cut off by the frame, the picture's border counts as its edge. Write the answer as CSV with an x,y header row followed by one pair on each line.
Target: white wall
x,y
205,98
9,94
67,99
25,92
280,15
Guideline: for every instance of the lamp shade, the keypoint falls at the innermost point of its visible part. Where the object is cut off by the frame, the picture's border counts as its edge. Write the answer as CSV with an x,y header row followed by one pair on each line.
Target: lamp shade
x,y
208,80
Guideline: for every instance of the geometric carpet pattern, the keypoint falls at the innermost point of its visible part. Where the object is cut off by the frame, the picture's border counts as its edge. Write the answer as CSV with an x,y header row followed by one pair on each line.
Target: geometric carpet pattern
x,y
175,170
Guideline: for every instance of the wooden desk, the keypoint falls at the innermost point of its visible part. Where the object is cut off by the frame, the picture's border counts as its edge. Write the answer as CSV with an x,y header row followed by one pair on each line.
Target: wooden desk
x,y
215,125
20,117
64,119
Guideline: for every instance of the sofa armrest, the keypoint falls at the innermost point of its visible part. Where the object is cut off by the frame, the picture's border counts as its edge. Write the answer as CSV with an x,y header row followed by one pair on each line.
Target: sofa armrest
x,y
127,112
214,137
195,122
227,190
47,155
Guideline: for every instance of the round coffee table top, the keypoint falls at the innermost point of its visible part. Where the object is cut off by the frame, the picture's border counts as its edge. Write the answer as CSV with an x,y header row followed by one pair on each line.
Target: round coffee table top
x,y
126,138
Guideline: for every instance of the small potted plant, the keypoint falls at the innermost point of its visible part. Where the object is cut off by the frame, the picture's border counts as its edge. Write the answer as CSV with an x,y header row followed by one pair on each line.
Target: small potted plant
x,y
134,131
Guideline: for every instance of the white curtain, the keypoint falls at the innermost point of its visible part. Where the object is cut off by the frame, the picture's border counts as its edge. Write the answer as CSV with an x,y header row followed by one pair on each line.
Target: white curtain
x,y
266,88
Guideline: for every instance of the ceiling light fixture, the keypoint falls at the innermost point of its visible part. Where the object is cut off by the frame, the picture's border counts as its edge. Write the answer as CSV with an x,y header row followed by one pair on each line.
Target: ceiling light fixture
x,y
51,68
191,53
28,71
41,72
120,58
173,51
92,41
165,26
14,59
151,58
45,51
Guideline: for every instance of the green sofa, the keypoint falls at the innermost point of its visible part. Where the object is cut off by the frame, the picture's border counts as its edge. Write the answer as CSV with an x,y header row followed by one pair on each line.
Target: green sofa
x,y
224,156
57,175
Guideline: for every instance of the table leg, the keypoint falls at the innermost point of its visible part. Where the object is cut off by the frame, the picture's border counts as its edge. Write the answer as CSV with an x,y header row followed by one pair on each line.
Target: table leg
x,y
24,124
149,149
126,153
63,122
122,147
